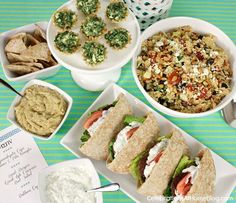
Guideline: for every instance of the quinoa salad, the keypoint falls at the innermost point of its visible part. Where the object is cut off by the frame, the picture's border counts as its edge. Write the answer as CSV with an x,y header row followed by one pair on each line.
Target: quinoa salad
x,y
184,70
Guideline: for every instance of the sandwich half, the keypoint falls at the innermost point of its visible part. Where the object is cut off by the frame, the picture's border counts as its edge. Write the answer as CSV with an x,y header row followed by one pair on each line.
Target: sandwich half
x,y
131,141
193,180
101,126
153,168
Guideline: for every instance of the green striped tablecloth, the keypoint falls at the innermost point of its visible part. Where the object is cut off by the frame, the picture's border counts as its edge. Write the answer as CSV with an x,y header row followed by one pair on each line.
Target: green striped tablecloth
x,y
211,130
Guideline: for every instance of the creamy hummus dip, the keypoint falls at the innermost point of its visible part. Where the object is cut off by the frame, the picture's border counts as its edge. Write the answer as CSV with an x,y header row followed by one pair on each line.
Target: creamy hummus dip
x,y
41,110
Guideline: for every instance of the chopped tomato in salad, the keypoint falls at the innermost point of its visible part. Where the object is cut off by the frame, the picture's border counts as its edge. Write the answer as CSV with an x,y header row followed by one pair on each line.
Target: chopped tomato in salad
x,y
184,185
174,78
93,118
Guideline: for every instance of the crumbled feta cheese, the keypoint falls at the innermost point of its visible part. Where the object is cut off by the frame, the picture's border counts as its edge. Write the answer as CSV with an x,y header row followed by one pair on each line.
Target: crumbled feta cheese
x,y
214,53
205,71
147,74
156,69
183,97
195,69
159,44
168,70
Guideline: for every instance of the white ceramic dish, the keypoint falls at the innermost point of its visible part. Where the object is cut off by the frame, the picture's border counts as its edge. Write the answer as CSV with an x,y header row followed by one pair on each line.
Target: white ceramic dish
x,y
95,77
11,112
226,173
199,26
4,37
86,163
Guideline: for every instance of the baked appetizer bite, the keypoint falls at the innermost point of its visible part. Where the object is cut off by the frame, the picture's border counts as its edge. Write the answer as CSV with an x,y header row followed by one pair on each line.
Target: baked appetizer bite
x,y
118,38
65,19
67,42
94,53
93,27
116,11
88,7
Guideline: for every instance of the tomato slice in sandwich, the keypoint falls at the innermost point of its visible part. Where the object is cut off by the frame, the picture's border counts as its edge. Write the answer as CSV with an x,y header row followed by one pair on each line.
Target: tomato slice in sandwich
x,y
157,157
131,132
184,185
93,118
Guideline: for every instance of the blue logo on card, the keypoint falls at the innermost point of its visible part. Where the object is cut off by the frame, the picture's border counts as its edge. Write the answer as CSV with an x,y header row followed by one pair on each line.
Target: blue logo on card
x,y
9,134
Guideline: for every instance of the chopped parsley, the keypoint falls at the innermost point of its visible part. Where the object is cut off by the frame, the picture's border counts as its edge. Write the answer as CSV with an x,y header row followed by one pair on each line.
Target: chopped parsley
x,y
93,27
88,7
116,11
67,41
117,38
65,19
94,52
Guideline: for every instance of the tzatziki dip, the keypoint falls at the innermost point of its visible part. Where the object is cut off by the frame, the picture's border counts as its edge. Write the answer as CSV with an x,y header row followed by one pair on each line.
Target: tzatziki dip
x,y
69,185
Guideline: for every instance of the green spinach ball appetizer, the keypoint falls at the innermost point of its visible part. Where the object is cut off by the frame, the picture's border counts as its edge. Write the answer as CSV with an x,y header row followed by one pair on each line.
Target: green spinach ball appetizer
x,y
88,7
65,19
93,27
118,38
116,11
94,53
67,42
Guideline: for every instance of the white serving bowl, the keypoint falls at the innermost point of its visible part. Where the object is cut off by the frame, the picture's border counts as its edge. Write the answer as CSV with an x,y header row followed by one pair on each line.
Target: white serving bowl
x,y
199,26
97,77
86,163
11,112
4,37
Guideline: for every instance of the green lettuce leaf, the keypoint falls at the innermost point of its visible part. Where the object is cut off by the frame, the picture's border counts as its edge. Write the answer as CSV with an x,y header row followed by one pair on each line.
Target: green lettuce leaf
x,y
168,136
168,192
111,150
183,163
134,168
129,119
85,137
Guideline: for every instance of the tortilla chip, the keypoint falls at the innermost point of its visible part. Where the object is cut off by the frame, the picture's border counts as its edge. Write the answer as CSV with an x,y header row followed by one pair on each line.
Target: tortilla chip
x,y
46,64
53,61
30,40
36,65
38,52
15,45
12,58
21,69
204,183
162,172
97,146
136,144
39,34
21,35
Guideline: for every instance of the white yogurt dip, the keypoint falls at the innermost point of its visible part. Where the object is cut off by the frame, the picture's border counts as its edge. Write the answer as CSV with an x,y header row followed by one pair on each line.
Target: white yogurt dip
x,y
68,185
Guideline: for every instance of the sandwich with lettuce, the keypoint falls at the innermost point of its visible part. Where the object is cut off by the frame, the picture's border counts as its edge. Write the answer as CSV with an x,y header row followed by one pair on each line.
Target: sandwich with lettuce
x,y
193,179
154,166
134,137
101,126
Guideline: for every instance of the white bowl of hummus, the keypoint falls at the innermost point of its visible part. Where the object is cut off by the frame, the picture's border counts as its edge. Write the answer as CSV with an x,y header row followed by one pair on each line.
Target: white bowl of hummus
x,y
68,181
41,111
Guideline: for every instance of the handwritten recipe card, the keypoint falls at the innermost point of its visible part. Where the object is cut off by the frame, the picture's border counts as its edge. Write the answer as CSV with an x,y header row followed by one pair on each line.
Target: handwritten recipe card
x,y
20,163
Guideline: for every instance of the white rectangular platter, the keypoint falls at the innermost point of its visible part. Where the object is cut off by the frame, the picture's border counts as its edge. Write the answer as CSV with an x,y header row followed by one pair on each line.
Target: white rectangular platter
x,y
225,172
